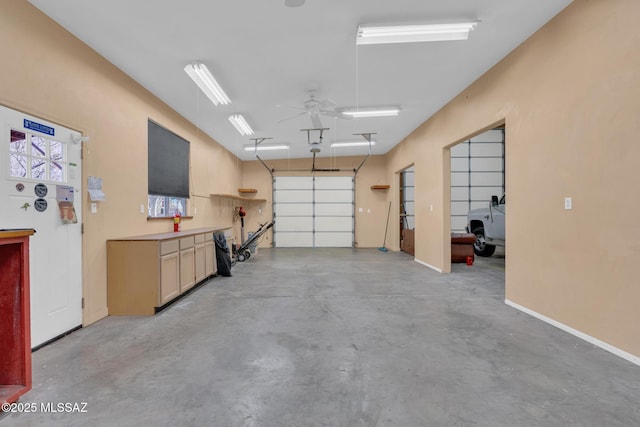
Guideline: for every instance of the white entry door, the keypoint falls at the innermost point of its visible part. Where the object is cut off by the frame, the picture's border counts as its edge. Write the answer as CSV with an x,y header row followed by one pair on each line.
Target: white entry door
x,y
313,211
41,189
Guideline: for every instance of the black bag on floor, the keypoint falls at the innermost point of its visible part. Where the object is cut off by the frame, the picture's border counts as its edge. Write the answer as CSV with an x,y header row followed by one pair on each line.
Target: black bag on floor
x,y
222,255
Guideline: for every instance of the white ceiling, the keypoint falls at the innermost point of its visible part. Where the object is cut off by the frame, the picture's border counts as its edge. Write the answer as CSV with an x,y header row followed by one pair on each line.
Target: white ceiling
x,y
266,56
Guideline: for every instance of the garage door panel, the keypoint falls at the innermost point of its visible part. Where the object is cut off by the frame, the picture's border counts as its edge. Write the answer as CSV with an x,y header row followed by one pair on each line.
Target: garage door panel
x,y
486,150
410,207
334,183
334,223
334,209
293,196
334,240
459,178
293,183
460,150
294,240
486,178
458,224
485,193
460,208
459,193
334,196
296,224
293,209
459,164
409,193
484,164
409,178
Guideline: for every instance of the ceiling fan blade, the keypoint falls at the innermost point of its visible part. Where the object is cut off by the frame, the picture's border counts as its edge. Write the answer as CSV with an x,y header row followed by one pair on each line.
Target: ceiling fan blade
x,y
302,113
315,120
332,113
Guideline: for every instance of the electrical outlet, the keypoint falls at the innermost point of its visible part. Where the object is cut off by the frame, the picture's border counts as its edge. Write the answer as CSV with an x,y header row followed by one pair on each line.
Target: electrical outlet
x,y
568,203
141,209
94,208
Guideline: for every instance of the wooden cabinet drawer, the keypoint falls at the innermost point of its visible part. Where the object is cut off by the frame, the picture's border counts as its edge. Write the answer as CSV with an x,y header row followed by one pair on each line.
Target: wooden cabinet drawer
x,y
199,238
169,246
187,242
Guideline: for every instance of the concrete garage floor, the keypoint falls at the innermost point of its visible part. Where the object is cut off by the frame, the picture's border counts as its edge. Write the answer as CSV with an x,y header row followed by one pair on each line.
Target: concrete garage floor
x,y
334,337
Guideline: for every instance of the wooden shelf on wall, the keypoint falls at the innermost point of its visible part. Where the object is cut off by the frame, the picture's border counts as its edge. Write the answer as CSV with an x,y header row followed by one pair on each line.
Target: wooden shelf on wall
x,y
247,190
380,187
232,197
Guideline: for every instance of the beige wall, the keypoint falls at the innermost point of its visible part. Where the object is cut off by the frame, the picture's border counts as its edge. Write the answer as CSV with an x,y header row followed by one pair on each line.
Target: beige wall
x,y
370,222
49,73
569,98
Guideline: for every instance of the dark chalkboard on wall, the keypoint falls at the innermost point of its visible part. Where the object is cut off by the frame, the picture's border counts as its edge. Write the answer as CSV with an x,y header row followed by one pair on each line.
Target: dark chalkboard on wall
x,y
168,163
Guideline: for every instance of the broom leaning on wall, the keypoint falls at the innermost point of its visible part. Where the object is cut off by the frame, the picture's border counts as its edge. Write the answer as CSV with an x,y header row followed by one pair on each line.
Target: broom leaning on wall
x,y
383,247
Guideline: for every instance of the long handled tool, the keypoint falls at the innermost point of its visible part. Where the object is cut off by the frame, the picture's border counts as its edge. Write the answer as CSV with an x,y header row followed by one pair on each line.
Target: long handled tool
x,y
383,247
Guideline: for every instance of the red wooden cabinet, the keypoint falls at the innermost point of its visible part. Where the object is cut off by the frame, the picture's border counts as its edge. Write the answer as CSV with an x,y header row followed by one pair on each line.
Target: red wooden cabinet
x,y
15,332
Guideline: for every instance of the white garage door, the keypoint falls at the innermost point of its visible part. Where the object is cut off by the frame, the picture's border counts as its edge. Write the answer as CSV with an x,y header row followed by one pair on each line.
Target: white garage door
x,y
313,211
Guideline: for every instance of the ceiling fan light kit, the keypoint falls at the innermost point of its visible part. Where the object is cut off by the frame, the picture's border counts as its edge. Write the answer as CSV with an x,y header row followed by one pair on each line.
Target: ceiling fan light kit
x,y
239,122
202,77
414,33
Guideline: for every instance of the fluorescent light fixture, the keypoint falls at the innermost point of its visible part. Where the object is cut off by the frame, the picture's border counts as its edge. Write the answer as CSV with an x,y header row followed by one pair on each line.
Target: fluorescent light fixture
x,y
241,124
200,74
372,113
267,147
414,33
352,144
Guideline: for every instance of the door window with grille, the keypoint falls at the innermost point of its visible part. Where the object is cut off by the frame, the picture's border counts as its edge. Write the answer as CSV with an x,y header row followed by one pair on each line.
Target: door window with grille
x,y
35,157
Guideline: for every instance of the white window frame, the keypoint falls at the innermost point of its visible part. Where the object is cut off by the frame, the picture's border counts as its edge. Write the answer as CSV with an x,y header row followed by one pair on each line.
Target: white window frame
x,y
29,157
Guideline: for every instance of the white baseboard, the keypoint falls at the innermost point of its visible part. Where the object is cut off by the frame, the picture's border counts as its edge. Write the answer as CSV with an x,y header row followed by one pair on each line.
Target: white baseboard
x,y
603,345
439,270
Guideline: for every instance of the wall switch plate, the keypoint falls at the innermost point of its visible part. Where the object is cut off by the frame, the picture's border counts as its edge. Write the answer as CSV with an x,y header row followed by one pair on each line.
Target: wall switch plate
x,y
94,207
568,203
141,209
360,210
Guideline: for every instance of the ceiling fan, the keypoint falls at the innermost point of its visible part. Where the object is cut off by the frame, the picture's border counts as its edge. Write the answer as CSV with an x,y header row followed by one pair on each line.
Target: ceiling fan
x,y
314,108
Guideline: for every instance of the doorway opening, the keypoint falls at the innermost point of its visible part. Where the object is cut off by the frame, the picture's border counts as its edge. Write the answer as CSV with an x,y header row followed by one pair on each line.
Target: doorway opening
x,y
478,194
407,211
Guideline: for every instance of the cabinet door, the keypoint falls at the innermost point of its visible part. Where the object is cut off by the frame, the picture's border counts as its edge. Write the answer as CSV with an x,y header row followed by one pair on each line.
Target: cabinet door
x,y
200,263
187,269
169,277
210,258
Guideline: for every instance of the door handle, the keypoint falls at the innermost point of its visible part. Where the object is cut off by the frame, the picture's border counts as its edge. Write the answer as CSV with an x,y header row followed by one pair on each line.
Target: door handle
x,y
486,217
